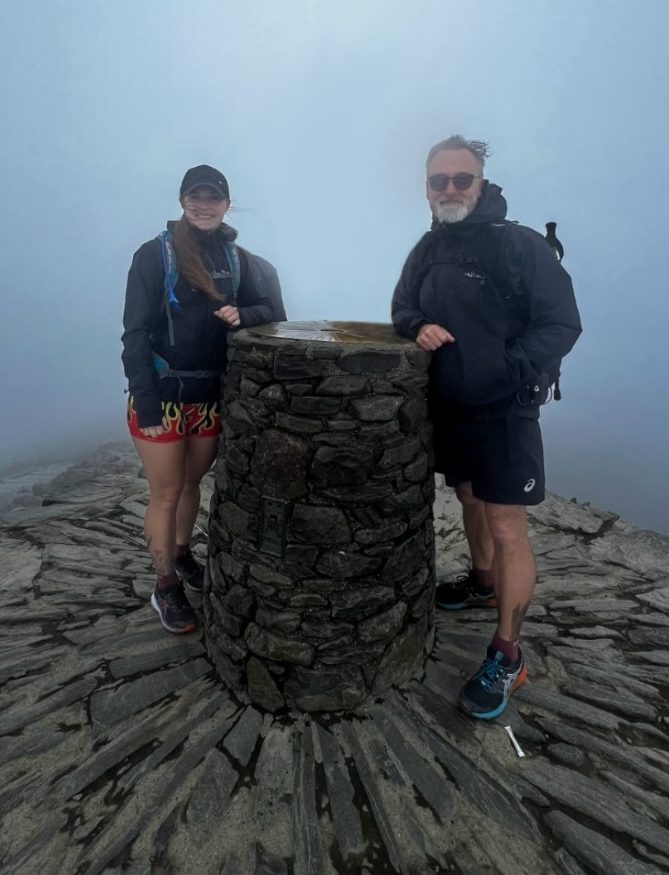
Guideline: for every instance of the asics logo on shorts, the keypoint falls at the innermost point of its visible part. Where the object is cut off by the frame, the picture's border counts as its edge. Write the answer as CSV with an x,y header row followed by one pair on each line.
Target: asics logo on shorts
x,y
529,486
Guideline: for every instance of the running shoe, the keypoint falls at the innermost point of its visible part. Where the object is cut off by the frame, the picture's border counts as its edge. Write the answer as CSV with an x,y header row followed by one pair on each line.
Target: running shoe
x,y
190,571
174,609
464,593
486,695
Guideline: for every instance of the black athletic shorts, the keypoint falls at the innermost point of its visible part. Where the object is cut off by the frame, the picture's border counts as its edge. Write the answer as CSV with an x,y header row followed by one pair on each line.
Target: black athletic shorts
x,y
501,455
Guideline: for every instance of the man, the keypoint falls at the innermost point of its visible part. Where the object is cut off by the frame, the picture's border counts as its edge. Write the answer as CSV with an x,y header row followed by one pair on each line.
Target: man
x,y
496,308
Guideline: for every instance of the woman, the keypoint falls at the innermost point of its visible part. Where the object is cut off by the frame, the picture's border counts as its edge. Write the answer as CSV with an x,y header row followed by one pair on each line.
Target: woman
x,y
186,289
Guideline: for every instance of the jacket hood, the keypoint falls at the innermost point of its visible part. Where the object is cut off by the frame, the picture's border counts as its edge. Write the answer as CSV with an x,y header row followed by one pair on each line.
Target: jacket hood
x,y
227,232
491,207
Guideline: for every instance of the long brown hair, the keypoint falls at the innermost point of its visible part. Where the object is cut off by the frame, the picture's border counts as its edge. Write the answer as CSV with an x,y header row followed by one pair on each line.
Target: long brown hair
x,y
189,261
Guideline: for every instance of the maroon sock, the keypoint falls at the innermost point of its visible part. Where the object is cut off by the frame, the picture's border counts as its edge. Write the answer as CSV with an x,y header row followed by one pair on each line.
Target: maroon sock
x,y
510,649
166,581
180,549
483,579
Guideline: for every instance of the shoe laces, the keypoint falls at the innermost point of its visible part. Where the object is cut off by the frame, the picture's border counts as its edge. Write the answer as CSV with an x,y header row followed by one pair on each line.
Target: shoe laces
x,y
490,672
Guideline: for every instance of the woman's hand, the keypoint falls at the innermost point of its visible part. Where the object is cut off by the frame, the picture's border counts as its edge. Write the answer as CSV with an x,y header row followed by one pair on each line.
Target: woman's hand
x,y
152,431
230,315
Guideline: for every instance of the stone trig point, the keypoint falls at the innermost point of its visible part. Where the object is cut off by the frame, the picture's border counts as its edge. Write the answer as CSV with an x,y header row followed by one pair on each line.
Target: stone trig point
x,y
321,557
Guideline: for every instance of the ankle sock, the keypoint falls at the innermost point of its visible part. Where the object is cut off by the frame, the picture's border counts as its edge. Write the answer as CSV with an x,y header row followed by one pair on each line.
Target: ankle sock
x,y
510,649
166,581
483,579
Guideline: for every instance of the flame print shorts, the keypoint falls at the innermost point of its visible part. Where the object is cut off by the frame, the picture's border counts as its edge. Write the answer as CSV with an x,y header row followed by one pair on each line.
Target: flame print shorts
x,y
183,421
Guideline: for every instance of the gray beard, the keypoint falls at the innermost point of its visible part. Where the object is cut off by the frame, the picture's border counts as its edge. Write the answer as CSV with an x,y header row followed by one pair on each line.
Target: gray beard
x,y
449,213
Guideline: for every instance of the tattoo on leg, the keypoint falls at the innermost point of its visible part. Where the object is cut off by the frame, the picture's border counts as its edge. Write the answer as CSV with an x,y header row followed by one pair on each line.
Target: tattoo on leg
x,y
161,563
517,619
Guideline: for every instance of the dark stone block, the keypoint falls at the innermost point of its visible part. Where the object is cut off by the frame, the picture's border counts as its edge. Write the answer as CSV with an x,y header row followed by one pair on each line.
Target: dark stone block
x,y
383,626
306,405
378,431
237,521
289,366
280,465
278,621
235,460
268,646
262,688
418,470
325,689
359,603
406,559
404,657
377,408
340,564
319,525
327,630
393,529
298,424
356,496
343,386
368,362
408,500
267,575
274,396
240,600
299,561
395,457
307,600
231,623
345,466
412,414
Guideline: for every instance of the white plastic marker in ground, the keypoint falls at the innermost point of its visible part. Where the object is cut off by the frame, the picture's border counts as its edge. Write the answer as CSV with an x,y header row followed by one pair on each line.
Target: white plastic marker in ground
x,y
514,742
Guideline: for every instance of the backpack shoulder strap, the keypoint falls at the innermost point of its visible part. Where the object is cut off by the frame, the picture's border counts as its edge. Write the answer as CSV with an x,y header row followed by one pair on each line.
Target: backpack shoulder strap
x,y
171,278
232,254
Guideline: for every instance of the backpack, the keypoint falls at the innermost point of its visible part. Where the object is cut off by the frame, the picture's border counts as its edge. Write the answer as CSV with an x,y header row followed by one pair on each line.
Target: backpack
x,y
498,256
264,274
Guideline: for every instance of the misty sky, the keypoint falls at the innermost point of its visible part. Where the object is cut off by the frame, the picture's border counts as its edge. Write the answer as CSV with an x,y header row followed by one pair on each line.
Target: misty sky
x,y
320,114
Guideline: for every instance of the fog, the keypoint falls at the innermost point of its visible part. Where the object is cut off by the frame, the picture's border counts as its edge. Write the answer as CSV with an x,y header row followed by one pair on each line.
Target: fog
x,y
320,114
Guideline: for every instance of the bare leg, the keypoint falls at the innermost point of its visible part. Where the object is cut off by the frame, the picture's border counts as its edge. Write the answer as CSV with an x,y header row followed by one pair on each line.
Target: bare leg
x,y
477,530
514,566
164,466
200,453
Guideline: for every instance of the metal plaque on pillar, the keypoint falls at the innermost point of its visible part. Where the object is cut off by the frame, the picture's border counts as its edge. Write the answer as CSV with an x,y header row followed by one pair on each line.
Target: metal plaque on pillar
x,y
273,526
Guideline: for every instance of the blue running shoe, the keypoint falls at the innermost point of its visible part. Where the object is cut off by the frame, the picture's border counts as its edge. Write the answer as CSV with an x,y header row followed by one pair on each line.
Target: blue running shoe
x,y
486,695
463,593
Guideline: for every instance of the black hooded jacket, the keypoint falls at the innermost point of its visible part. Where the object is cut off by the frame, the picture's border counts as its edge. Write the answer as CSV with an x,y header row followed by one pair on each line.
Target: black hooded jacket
x,y
498,288
200,338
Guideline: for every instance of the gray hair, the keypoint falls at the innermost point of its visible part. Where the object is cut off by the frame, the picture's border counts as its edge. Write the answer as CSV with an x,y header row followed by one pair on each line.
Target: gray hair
x,y
478,148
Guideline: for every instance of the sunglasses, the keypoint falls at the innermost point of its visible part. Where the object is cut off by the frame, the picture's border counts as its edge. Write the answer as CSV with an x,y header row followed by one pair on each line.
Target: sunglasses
x,y
461,181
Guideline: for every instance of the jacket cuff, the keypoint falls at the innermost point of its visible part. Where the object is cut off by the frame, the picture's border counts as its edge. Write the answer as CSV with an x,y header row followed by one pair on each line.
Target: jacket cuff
x,y
149,412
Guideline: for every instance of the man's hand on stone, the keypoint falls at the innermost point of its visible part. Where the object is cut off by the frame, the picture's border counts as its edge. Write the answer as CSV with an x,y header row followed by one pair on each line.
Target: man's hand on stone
x,y
431,337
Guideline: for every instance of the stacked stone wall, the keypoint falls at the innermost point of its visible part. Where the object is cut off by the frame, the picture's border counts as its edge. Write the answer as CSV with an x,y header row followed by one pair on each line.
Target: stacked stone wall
x,y
321,564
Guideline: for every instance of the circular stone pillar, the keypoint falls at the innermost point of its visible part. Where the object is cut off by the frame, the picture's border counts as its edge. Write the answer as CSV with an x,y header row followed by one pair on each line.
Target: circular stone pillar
x,y
320,578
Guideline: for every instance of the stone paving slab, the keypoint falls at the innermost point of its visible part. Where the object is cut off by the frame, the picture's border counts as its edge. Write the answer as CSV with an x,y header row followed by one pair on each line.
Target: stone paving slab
x,y
121,751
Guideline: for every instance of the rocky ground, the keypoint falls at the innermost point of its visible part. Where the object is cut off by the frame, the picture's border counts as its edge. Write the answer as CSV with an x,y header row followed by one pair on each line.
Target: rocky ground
x,y
121,751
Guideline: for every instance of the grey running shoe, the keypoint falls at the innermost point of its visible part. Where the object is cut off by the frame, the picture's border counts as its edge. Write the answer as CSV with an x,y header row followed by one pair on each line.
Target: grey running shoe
x,y
463,593
174,609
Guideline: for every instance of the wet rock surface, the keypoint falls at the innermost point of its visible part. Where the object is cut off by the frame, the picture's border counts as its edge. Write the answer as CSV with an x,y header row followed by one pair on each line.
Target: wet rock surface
x,y
122,751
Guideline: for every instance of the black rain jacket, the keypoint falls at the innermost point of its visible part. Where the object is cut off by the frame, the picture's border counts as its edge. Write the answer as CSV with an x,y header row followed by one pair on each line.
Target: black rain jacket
x,y
200,338
513,318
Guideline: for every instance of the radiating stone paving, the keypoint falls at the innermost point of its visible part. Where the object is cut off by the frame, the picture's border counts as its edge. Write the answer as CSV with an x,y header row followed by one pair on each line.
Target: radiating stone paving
x,y
120,750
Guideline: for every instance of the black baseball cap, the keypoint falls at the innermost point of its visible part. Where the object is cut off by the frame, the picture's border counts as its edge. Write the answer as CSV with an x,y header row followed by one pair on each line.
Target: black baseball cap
x,y
203,174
